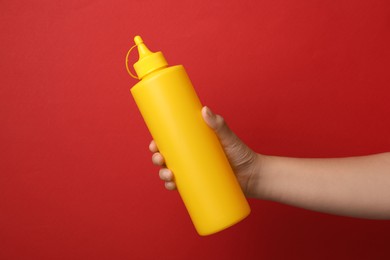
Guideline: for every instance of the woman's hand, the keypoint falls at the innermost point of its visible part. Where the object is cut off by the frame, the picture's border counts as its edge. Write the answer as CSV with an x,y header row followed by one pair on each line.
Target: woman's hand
x,y
242,159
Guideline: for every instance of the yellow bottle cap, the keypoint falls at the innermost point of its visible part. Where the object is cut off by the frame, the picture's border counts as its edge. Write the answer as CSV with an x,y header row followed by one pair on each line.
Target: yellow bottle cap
x,y
148,61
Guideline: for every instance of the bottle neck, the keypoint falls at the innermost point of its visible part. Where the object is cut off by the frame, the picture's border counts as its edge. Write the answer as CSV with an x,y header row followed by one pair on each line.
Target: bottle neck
x,y
151,73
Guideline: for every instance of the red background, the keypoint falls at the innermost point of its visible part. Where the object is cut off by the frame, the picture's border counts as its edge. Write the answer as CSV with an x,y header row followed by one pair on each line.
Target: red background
x,y
292,78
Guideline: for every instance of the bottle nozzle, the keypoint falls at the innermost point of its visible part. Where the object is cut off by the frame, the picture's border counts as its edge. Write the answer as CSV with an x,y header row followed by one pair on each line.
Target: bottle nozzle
x,y
143,51
138,40
148,61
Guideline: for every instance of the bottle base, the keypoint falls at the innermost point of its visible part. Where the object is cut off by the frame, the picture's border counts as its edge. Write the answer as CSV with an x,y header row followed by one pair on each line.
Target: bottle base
x,y
223,227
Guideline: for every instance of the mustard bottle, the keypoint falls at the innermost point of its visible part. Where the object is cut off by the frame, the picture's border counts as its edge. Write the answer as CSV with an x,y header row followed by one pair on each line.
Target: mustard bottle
x,y
171,110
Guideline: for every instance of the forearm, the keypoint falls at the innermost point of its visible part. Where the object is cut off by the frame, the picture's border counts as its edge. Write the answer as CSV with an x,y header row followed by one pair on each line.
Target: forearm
x,y
355,186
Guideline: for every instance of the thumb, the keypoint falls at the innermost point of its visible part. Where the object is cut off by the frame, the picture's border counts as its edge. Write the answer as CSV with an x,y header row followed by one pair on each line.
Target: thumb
x,y
218,124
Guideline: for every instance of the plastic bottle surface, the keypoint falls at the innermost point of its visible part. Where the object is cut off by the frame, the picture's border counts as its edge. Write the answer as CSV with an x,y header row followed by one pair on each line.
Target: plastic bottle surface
x,y
171,110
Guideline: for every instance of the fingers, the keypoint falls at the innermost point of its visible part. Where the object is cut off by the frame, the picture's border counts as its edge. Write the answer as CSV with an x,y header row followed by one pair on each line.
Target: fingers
x,y
167,176
158,159
170,185
153,147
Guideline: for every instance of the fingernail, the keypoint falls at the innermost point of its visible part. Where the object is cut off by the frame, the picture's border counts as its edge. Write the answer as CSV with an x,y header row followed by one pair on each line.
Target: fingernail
x,y
209,112
166,174
157,158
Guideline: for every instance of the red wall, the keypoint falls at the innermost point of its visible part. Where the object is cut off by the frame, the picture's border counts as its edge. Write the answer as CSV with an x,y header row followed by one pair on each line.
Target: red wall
x,y
293,78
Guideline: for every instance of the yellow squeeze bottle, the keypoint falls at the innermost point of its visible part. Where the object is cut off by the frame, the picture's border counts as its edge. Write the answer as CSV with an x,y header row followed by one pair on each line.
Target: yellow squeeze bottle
x,y
172,112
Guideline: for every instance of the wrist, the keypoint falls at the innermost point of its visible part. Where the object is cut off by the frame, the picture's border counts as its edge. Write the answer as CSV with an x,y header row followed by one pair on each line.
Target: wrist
x,y
257,185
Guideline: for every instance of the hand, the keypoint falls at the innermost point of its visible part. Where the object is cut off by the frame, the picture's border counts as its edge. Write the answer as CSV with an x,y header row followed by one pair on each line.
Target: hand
x,y
242,159
351,186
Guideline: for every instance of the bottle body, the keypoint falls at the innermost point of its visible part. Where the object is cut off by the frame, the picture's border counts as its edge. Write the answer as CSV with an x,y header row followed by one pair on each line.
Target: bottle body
x,y
207,185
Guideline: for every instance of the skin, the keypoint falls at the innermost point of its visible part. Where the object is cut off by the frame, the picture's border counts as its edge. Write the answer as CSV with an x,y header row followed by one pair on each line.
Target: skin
x,y
353,186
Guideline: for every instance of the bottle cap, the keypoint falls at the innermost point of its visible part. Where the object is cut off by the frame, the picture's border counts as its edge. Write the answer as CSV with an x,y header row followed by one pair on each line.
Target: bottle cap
x,y
148,61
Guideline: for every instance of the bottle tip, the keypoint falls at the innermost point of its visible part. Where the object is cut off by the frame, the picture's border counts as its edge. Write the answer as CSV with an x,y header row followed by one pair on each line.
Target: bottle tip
x,y
138,40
